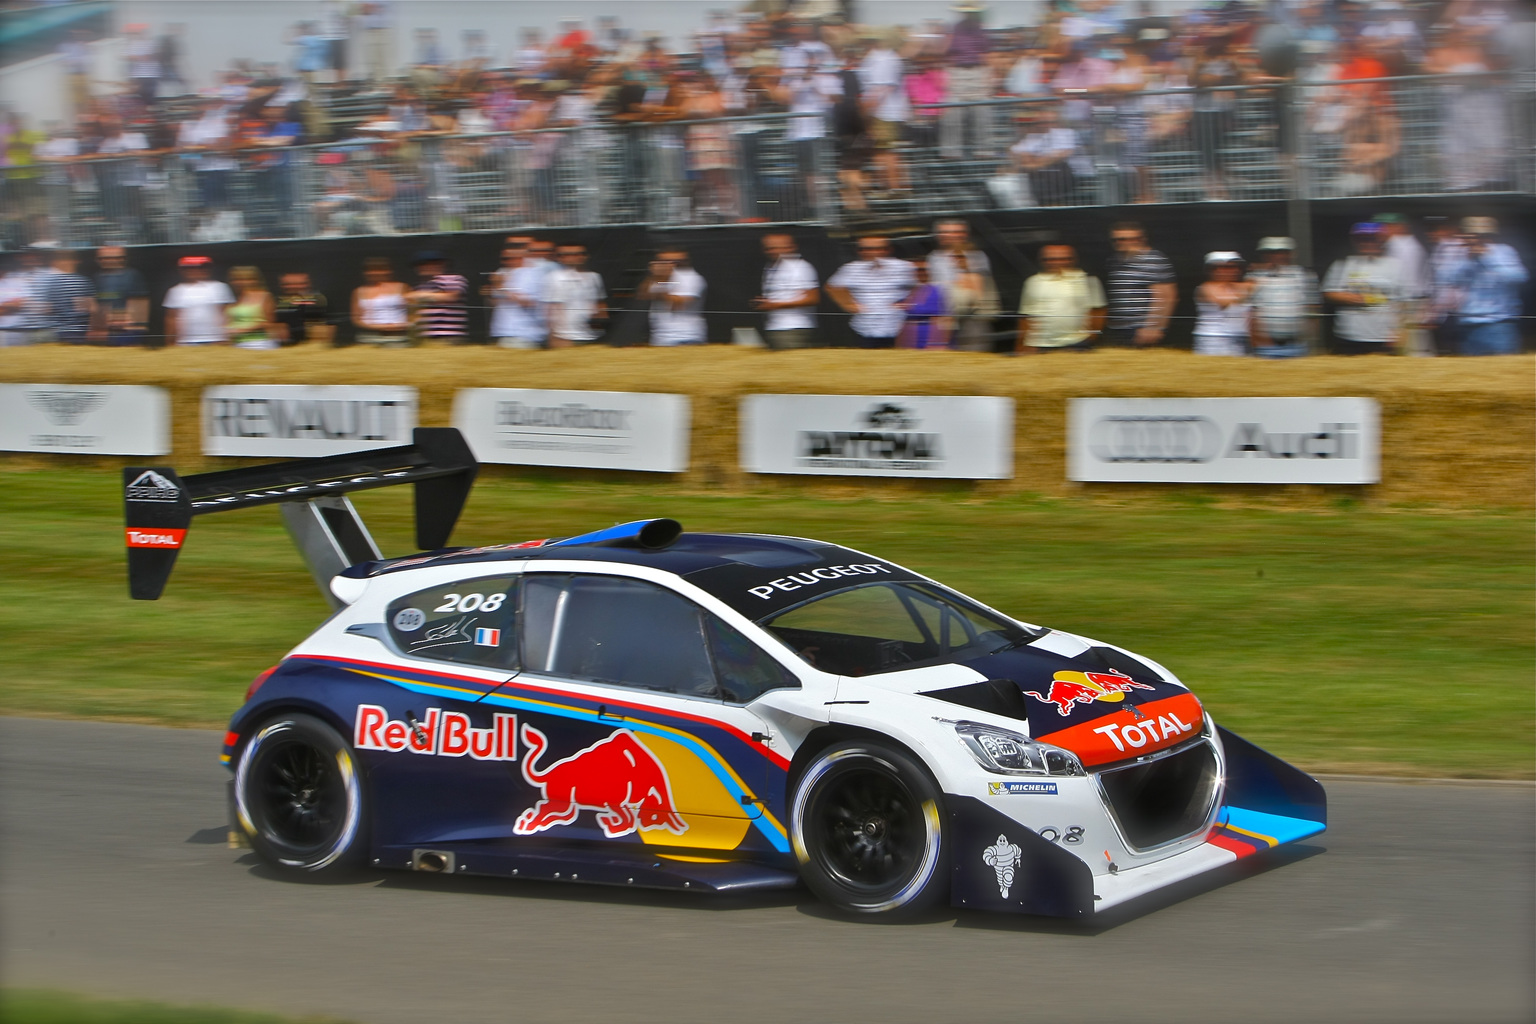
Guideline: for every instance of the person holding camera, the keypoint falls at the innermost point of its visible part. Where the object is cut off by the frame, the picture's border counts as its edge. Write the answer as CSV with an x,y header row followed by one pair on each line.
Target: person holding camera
x,y
676,293
576,298
1487,280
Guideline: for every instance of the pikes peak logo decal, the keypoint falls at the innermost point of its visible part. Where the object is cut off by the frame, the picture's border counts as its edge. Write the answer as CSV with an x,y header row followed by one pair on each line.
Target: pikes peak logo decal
x,y
151,486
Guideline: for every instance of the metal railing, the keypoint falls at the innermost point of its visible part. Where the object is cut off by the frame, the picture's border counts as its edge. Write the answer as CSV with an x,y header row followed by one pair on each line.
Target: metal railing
x,y
1381,137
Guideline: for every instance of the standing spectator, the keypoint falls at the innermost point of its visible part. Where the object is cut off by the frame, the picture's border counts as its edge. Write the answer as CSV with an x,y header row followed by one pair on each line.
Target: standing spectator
x,y
122,300
1411,256
811,91
965,275
70,298
378,40
676,294
27,283
885,100
851,125
438,302
169,53
122,180
790,294
194,309
872,288
969,80
1446,251
1224,306
301,311
576,298
250,317
143,62
1215,112
1141,289
76,59
380,310
517,298
15,294
1370,291
1488,278
1284,301
927,323
1061,308
211,136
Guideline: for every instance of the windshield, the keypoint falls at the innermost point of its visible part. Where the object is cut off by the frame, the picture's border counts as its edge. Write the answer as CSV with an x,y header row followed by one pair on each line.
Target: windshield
x,y
889,626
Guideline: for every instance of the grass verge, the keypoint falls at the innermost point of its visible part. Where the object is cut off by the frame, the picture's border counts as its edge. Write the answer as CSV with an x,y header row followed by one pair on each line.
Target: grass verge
x,y
1345,640
40,1006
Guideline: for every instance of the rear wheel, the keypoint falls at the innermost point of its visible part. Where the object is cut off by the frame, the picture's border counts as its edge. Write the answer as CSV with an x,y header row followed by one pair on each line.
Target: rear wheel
x,y
298,795
867,826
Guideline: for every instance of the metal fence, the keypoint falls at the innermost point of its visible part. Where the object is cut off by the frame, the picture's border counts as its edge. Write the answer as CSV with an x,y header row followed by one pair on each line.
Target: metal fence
x,y
1402,136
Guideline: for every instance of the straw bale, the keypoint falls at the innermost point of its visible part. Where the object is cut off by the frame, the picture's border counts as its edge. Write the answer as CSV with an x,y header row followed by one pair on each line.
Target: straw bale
x,y
1456,433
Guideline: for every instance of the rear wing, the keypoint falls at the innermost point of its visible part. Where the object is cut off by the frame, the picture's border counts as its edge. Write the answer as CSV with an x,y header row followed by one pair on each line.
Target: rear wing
x,y
312,494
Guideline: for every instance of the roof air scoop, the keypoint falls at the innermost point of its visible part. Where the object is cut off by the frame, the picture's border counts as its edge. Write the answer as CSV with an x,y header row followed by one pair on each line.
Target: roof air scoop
x,y
651,534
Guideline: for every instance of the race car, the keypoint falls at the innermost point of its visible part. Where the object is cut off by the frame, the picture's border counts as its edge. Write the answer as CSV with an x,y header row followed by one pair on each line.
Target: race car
x,y
645,706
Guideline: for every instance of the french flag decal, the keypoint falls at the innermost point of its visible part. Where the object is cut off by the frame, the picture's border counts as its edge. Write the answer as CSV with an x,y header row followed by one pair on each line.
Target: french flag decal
x,y
487,637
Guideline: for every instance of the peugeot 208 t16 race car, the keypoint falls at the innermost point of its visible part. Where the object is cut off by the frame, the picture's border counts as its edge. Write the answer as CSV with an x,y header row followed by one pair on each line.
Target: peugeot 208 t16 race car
x,y
642,706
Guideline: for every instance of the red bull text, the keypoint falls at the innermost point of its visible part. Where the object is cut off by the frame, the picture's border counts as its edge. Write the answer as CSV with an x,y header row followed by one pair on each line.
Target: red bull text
x,y
437,732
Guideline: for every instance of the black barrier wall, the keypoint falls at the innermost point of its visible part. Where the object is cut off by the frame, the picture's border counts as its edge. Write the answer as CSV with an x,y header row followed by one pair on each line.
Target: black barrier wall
x,y
730,258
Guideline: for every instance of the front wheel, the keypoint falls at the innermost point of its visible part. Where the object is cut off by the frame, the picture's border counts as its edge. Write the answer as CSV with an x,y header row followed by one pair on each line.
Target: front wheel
x,y
298,796
867,827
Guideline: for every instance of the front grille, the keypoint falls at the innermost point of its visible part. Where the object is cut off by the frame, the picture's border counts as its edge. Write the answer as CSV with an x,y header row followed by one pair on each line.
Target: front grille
x,y
1163,800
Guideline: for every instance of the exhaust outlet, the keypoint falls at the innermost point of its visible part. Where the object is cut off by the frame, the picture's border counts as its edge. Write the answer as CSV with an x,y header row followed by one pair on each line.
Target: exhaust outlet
x,y
433,862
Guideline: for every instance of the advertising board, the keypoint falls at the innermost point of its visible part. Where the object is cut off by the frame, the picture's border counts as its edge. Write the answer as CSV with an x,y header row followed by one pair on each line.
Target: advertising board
x,y
584,429
303,420
85,419
1225,440
965,437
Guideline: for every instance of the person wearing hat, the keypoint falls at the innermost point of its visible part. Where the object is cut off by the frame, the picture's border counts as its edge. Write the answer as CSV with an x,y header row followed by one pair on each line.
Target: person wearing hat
x,y
1369,293
1401,245
1284,301
194,309
1225,307
437,304
1488,279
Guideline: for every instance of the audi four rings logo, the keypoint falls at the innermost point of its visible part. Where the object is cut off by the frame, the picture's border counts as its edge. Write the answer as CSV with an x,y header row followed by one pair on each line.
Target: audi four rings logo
x,y
1154,439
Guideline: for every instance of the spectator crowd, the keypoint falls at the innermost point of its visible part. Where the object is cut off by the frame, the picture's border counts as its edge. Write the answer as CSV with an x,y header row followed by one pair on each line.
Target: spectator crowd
x,y
1094,83
1458,295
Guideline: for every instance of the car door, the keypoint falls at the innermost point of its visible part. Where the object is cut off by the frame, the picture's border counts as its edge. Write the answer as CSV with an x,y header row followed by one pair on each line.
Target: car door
x,y
633,724
441,764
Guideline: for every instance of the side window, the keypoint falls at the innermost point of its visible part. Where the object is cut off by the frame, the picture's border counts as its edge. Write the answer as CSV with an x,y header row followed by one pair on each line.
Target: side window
x,y
743,670
469,621
613,630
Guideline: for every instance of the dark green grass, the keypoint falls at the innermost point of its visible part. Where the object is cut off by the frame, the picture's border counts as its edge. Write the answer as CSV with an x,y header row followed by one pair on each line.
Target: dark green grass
x,y
1346,640
31,1006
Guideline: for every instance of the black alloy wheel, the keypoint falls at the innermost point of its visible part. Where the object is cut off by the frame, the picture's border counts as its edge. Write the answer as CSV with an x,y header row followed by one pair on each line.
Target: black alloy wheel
x,y
867,827
298,796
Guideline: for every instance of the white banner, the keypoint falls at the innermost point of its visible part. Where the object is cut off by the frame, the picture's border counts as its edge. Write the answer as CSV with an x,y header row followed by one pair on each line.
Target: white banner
x,y
588,429
868,435
1225,440
303,420
85,419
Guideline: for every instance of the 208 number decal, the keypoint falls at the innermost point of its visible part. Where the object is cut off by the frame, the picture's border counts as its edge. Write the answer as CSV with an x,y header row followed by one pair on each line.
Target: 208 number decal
x,y
470,603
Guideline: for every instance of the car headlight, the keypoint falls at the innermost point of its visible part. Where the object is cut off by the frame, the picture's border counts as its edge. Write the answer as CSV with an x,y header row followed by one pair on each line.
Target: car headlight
x,y
1008,753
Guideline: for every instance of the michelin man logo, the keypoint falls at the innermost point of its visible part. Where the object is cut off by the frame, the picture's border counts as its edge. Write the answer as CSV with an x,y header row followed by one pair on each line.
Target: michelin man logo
x,y
1004,858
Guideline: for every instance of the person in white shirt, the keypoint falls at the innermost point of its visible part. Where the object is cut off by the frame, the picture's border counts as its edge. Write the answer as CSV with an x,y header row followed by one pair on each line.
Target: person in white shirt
x,y
1369,291
194,309
964,274
15,294
1413,258
676,294
517,300
883,91
575,298
790,294
872,288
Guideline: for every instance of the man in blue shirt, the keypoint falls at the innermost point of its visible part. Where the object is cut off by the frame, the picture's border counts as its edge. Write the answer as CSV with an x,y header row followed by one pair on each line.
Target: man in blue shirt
x,y
1488,278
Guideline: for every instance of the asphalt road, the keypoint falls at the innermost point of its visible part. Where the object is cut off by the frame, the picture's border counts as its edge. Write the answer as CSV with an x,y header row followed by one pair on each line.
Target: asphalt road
x,y
1417,905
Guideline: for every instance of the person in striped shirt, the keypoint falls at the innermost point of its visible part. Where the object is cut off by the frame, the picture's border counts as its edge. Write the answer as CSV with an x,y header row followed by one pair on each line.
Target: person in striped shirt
x,y
1141,290
437,304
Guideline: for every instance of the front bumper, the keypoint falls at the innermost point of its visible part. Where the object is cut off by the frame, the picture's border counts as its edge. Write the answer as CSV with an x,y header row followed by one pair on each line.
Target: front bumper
x,y
1001,863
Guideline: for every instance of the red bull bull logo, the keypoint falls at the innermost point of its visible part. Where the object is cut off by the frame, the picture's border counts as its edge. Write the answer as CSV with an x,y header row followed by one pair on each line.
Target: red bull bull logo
x,y
617,777
1069,688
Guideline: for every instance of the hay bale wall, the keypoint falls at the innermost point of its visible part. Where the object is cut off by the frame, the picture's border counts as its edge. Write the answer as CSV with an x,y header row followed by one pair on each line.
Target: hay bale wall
x,y
1456,433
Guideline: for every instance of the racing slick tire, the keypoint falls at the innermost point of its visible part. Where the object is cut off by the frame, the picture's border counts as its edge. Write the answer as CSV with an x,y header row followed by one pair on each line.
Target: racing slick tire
x,y
299,796
867,825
